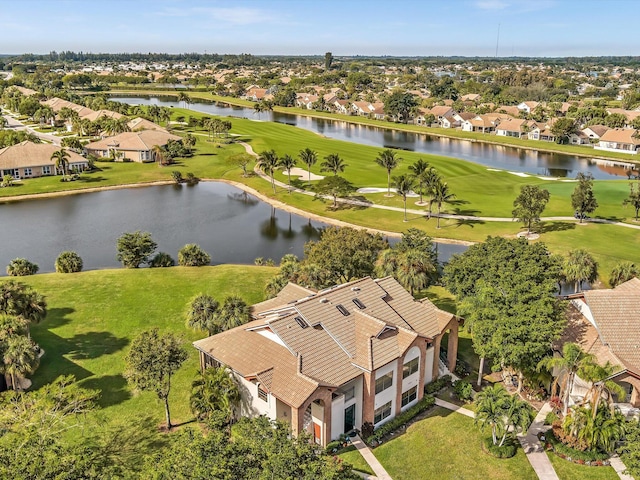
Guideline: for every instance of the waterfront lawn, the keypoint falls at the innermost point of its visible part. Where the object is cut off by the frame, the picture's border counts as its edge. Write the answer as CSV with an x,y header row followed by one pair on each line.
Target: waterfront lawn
x,y
93,317
572,471
447,445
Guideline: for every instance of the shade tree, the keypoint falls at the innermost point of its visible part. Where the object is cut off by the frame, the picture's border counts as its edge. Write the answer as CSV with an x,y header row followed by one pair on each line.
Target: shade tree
x,y
583,199
529,205
135,248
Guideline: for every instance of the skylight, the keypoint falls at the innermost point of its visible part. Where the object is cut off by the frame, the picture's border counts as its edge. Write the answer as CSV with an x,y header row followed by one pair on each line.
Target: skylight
x,y
300,321
359,303
342,310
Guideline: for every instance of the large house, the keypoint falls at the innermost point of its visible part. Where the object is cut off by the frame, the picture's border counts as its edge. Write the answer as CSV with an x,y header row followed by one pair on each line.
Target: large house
x,y
619,140
606,323
131,146
329,361
28,160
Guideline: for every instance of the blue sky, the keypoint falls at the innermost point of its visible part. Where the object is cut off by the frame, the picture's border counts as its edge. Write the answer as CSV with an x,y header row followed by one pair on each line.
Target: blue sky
x,y
300,27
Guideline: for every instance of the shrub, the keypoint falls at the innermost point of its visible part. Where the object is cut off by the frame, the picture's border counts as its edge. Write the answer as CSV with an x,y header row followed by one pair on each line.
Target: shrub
x,y
19,267
463,390
572,453
437,385
258,261
367,430
461,369
135,248
68,262
507,450
7,181
425,402
191,255
191,178
177,176
550,418
162,259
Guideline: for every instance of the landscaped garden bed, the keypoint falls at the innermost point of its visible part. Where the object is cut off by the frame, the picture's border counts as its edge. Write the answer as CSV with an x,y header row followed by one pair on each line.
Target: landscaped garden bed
x,y
580,457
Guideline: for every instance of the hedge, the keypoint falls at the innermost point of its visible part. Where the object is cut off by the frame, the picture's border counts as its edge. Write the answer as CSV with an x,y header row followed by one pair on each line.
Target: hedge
x,y
572,454
507,450
426,402
437,385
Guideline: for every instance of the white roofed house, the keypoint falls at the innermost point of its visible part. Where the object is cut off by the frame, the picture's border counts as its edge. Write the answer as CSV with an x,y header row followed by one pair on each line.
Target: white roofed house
x,y
512,128
527,107
329,361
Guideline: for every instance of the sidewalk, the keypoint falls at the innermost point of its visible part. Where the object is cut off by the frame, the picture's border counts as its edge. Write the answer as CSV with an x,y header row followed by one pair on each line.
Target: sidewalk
x,y
533,448
367,454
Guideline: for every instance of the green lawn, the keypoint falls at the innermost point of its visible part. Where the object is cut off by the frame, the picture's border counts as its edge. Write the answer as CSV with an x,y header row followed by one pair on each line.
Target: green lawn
x,y
571,471
357,460
447,445
93,317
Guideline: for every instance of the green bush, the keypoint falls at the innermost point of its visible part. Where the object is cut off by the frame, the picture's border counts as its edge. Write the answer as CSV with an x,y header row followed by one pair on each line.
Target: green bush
x,y
571,453
550,418
426,402
507,450
463,390
19,267
191,255
176,176
437,385
162,259
68,262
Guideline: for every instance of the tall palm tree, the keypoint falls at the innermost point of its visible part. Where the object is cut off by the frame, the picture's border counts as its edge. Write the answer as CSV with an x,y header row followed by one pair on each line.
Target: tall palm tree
x,y
388,159
19,358
202,313
183,97
61,159
489,410
441,194
579,267
333,163
415,269
268,161
419,170
404,185
288,162
431,180
233,313
572,361
160,155
602,389
309,158
214,389
623,272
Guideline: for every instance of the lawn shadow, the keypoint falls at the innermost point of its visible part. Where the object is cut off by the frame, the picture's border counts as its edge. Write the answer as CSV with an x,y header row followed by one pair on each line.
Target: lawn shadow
x,y
447,304
85,346
56,317
546,227
465,211
464,222
113,389
92,179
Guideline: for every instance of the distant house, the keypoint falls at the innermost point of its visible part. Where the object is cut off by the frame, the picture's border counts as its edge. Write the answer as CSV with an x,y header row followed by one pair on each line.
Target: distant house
x,y
509,110
594,132
441,111
368,109
449,122
140,123
306,100
471,97
342,106
619,140
630,115
93,116
255,93
512,128
527,107
131,146
329,361
29,160
606,323
579,138
542,132
480,123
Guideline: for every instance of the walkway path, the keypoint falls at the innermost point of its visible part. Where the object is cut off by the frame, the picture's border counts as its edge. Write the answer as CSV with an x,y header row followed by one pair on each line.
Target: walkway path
x,y
620,468
16,124
455,408
533,448
370,458
360,203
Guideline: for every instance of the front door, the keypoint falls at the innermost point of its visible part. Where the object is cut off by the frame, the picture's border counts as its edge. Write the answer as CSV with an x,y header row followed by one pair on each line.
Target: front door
x,y
349,418
316,433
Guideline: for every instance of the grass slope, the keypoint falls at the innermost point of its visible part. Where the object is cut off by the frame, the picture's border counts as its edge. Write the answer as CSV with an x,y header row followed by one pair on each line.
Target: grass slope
x,y
571,471
447,445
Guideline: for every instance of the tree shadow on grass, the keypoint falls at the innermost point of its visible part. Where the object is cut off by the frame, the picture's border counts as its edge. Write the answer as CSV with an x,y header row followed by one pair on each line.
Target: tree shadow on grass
x,y
90,345
57,317
462,222
92,179
113,389
547,227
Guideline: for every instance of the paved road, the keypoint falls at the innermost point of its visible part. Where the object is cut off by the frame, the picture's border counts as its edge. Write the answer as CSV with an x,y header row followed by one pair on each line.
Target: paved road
x,y
15,124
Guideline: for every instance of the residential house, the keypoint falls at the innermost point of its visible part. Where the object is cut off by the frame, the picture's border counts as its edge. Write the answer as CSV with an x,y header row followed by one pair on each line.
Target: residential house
x,y
509,110
306,100
594,132
606,323
95,115
579,138
462,116
342,106
140,123
255,93
630,115
329,361
131,146
541,131
619,140
471,97
512,128
481,123
527,107
441,111
450,122
373,110
29,160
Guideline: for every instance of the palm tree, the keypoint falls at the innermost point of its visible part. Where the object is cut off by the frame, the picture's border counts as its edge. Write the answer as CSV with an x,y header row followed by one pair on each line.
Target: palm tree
x,y
505,414
309,158
160,155
61,159
595,431
268,161
288,162
404,185
389,160
572,361
233,313
578,267
419,170
202,314
441,194
623,272
414,269
214,390
602,387
19,358
431,180
387,262
333,163
183,97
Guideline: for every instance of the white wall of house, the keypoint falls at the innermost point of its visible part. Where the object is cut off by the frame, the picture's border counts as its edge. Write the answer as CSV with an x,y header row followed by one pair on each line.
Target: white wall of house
x,y
413,379
428,368
251,404
342,402
389,394
616,147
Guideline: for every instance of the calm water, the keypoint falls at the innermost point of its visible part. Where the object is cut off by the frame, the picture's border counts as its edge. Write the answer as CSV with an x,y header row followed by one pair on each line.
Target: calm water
x,y
232,226
493,156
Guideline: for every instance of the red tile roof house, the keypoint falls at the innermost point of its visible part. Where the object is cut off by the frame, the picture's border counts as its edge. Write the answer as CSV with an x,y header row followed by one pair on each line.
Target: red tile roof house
x,y
512,128
28,160
329,361
131,146
619,140
606,323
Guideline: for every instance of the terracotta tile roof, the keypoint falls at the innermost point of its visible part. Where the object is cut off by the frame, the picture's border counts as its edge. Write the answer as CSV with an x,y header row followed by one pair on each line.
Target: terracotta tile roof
x,y
93,116
513,125
137,141
597,129
29,154
290,293
510,110
140,123
440,110
620,135
630,114
617,316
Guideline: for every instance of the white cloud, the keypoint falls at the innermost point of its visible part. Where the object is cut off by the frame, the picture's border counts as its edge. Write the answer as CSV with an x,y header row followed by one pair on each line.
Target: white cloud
x,y
491,4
